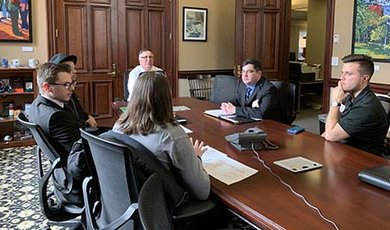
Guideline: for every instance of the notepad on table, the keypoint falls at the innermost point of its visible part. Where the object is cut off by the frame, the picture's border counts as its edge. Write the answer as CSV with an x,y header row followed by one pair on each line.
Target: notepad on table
x,y
219,113
224,168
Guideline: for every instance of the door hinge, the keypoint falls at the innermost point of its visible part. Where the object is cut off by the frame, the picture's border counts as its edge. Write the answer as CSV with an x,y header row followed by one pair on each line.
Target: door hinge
x,y
170,36
56,32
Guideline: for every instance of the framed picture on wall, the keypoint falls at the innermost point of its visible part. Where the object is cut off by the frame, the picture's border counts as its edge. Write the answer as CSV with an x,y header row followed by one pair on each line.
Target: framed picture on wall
x,y
371,29
15,21
194,24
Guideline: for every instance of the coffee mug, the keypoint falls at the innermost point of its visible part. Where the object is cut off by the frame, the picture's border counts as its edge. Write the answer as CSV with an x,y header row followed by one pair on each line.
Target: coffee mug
x,y
33,63
14,63
4,62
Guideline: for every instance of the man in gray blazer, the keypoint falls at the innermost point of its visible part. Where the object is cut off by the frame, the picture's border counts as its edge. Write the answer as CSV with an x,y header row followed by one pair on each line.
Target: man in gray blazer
x,y
256,96
60,125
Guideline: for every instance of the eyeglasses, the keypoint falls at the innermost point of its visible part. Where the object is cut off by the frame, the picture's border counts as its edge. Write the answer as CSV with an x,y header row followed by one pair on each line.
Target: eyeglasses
x,y
145,57
248,71
66,85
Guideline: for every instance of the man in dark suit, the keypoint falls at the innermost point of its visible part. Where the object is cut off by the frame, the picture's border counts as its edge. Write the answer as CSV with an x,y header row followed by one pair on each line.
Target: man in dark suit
x,y
49,110
256,96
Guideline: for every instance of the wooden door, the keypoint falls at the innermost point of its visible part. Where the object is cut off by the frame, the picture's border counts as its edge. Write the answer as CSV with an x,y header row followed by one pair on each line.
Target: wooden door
x,y
106,36
262,32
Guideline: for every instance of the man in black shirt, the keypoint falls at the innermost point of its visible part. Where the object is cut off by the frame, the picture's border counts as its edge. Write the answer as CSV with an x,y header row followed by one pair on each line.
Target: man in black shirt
x,y
356,115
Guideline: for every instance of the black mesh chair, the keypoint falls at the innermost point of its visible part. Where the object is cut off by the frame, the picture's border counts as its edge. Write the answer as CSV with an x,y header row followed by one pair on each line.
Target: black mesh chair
x,y
386,105
125,81
286,100
200,86
153,209
111,194
56,212
224,88
113,208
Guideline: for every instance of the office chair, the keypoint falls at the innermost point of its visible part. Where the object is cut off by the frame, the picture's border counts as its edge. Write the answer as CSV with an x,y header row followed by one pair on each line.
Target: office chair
x,y
57,213
125,80
286,100
386,105
130,165
111,194
153,209
200,86
224,88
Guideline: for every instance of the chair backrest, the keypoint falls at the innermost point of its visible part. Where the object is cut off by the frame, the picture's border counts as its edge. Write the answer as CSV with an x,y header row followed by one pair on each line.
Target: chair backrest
x,y
200,86
153,209
113,172
385,103
125,81
286,101
57,212
224,88
40,138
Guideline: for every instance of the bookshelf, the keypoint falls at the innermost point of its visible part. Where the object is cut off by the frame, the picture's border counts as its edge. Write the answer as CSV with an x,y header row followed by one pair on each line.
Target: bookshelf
x,y
17,87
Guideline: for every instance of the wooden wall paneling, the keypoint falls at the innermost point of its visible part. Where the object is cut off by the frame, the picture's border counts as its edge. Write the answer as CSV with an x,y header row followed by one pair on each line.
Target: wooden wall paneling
x,y
101,95
270,42
82,92
101,39
135,36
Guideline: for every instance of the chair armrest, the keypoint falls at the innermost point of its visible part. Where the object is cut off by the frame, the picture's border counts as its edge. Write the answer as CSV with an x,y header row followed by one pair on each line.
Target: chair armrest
x,y
192,209
122,219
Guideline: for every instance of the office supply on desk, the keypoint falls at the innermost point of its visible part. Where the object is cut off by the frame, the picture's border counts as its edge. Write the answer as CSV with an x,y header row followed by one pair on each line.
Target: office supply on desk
x,y
377,176
224,168
218,113
295,129
251,138
180,108
186,130
298,164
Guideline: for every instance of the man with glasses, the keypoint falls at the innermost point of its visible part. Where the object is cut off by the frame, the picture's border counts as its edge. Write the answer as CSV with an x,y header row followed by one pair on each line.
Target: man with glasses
x,y
74,102
146,61
356,116
256,96
60,124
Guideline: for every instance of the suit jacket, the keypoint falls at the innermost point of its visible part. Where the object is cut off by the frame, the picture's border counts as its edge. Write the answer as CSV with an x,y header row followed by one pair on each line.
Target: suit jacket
x,y
261,104
61,126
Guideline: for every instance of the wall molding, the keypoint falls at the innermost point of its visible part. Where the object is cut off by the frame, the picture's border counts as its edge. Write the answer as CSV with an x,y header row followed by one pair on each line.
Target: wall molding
x,y
187,73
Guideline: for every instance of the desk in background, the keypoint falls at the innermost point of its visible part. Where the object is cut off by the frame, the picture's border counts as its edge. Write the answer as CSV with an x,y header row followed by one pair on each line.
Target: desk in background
x,y
304,88
264,201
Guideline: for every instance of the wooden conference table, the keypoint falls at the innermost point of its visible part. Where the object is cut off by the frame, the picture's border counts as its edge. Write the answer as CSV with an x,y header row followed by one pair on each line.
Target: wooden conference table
x,y
335,188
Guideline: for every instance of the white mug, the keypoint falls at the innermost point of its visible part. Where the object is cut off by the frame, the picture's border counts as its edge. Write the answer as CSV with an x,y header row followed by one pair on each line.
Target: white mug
x,y
33,63
14,63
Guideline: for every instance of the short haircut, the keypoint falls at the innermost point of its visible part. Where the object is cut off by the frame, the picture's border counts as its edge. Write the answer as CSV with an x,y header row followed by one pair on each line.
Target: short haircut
x,y
365,62
144,50
150,105
48,72
256,63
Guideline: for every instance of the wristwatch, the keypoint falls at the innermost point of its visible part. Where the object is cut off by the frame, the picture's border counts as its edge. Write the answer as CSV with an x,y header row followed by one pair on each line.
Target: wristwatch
x,y
335,104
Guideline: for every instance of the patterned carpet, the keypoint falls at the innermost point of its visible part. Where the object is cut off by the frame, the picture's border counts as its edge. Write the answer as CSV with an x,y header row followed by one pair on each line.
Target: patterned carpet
x,y
19,205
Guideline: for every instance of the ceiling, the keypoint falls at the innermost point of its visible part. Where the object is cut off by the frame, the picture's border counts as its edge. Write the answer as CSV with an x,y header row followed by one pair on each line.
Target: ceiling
x,y
299,5
299,9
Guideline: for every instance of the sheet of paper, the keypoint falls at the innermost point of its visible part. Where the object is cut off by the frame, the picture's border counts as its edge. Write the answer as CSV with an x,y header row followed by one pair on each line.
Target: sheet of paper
x,y
187,130
180,108
215,112
223,168
123,109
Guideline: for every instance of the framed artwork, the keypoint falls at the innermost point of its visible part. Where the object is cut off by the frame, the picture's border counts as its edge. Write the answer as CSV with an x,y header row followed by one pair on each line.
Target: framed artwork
x,y
194,24
371,29
15,21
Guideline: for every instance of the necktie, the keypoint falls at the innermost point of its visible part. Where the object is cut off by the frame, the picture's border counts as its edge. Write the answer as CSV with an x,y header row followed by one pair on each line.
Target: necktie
x,y
248,93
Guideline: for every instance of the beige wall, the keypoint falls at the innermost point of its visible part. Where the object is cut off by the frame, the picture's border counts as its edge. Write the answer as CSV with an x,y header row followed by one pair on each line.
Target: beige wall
x,y
343,28
296,26
39,44
316,27
218,51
